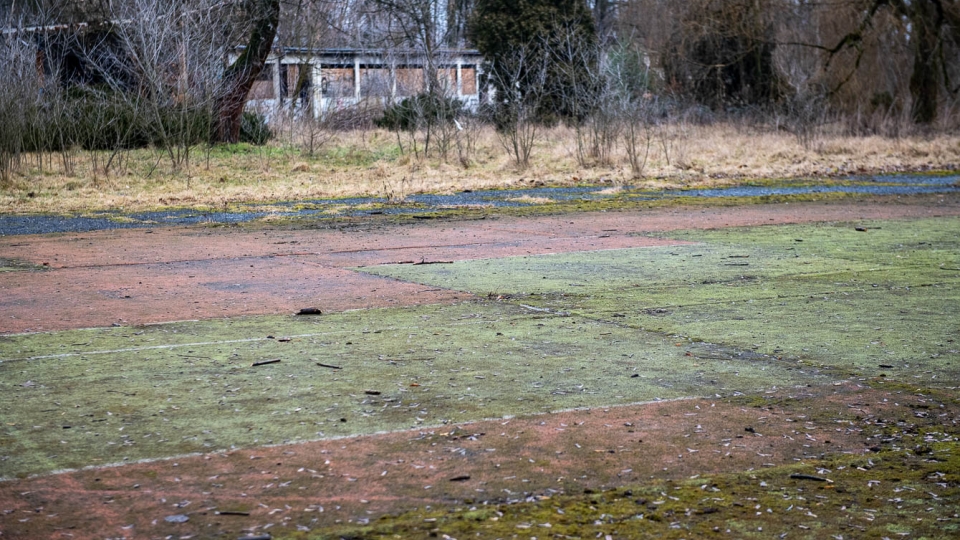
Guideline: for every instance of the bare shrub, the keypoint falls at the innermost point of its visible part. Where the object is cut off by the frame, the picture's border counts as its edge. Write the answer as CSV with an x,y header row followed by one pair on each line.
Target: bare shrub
x,y
469,127
522,76
637,134
360,117
805,116
19,95
421,120
315,133
169,70
302,129
447,126
672,131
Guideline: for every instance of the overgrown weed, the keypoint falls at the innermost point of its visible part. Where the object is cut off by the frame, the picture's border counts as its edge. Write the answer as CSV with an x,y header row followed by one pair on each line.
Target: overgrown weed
x,y
362,162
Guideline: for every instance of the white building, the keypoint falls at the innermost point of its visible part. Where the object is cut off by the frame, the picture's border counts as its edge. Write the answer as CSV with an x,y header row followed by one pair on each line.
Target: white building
x,y
322,80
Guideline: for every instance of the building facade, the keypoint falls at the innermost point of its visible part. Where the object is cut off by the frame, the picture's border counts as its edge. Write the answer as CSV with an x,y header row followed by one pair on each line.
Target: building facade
x,y
318,81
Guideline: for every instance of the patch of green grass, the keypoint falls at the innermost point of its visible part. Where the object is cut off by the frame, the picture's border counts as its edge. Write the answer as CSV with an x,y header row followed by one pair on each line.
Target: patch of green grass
x,y
16,265
932,243
347,156
242,149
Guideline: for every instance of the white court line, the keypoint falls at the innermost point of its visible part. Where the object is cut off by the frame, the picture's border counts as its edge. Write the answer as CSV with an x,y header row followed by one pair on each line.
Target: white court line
x,y
169,346
355,436
225,342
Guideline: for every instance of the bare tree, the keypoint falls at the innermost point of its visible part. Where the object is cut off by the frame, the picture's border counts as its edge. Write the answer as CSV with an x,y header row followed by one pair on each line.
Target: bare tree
x,y
18,93
457,19
930,29
165,71
605,13
637,134
414,25
522,77
305,27
631,103
721,53
577,64
262,18
884,57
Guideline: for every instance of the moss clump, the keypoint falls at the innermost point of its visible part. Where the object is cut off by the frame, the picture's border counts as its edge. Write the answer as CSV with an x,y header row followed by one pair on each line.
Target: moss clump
x,y
16,265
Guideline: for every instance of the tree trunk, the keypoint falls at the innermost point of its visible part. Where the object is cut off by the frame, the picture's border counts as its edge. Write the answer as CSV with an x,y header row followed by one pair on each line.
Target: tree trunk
x,y
924,81
240,76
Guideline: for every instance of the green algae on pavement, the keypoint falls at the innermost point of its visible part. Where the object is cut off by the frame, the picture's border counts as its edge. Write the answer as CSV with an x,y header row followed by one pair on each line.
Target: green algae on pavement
x,y
883,496
16,265
907,486
735,316
884,299
111,395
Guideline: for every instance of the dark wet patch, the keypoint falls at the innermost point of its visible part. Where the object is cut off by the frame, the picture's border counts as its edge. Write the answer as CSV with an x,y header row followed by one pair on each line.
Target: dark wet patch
x,y
865,185
430,205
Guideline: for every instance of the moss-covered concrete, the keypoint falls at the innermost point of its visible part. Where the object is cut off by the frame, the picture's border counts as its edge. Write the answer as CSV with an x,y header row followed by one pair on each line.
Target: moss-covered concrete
x,y
884,299
735,315
16,265
905,485
910,493
99,396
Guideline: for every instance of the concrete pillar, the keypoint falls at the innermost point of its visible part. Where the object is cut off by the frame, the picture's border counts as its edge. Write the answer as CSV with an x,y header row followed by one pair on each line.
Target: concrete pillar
x,y
459,77
278,99
393,82
356,79
316,86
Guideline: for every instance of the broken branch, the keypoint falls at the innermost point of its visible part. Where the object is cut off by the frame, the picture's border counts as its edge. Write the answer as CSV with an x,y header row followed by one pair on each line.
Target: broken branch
x,y
265,362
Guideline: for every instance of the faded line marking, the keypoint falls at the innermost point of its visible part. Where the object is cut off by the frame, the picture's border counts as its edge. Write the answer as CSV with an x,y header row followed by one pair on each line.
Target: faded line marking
x,y
224,342
355,436
401,248
372,269
160,347
184,261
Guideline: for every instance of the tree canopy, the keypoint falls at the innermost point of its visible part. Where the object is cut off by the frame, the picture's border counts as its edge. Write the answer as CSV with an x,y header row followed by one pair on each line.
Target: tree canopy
x,y
931,32
500,29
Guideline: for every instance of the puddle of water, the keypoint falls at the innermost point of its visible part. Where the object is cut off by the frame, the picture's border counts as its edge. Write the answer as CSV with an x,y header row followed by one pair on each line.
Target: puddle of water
x,y
758,191
947,180
906,184
359,206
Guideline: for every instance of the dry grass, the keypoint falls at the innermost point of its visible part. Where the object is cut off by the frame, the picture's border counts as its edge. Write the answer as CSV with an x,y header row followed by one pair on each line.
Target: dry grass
x,y
369,163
